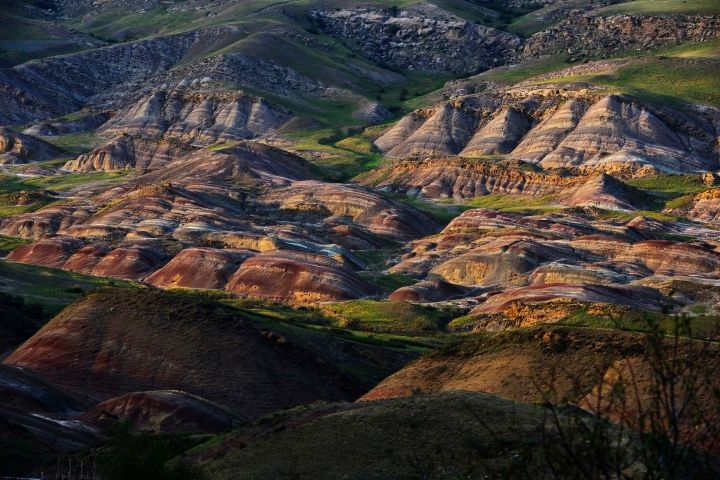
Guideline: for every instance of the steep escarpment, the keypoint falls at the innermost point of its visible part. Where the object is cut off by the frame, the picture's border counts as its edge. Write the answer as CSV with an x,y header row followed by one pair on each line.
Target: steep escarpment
x,y
559,128
421,38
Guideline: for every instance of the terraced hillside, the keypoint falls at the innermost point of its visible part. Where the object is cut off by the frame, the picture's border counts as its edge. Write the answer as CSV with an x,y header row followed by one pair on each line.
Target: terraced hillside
x,y
359,239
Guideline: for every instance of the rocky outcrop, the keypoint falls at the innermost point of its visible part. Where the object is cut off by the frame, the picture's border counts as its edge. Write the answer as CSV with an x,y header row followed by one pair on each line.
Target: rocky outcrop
x,y
704,207
462,178
499,136
421,38
559,128
128,153
197,118
595,35
617,131
55,86
298,278
437,132
16,148
548,134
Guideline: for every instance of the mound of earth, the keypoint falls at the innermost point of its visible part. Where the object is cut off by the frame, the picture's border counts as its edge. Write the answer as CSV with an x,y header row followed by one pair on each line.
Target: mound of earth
x,y
238,165
167,411
200,347
525,365
400,438
206,268
639,297
430,290
606,192
48,252
297,277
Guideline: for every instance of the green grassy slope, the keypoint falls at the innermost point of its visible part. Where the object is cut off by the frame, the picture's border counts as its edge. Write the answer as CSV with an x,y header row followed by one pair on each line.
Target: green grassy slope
x,y
51,288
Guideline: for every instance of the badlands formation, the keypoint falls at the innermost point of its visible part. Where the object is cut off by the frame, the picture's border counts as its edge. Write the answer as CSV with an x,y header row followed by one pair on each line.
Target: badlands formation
x,y
274,239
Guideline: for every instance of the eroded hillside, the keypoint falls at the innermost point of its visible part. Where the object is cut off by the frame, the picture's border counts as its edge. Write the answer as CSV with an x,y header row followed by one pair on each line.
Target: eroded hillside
x,y
249,239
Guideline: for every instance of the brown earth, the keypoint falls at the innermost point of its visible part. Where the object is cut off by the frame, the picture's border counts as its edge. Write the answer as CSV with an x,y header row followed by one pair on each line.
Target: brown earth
x,y
203,348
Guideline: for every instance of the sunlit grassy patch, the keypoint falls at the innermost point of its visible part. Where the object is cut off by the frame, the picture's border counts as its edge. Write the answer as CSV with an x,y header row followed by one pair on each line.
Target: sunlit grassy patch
x,y
515,203
663,7
669,186
385,316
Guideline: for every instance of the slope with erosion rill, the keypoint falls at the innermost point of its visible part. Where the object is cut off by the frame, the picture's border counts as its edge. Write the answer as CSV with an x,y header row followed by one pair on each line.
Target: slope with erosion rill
x,y
562,126
517,259
248,213
204,209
